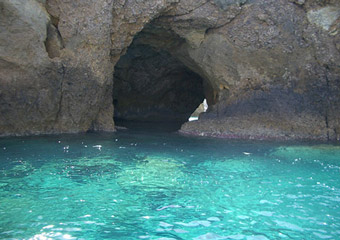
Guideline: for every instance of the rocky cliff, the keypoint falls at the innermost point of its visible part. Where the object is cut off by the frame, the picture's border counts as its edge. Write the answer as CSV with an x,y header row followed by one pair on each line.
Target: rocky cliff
x,y
268,68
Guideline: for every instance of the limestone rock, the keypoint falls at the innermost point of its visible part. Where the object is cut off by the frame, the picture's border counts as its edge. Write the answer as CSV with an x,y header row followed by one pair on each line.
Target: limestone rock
x,y
299,2
269,68
29,81
324,17
264,64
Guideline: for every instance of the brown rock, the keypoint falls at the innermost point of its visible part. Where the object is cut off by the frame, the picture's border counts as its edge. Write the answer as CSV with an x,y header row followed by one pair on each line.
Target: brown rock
x,y
269,67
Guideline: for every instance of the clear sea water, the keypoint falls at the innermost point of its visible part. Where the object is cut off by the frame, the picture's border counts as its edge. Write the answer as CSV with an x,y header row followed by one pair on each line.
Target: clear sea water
x,y
131,185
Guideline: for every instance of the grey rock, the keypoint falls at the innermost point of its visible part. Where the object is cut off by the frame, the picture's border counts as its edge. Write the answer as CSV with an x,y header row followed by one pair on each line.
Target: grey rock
x,y
224,4
299,2
324,17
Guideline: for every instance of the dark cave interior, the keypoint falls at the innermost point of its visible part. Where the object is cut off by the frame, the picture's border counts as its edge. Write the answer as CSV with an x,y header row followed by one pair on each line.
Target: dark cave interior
x,y
152,86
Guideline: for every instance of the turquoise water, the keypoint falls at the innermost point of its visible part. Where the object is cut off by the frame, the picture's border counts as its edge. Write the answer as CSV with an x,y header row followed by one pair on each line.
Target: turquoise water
x,y
165,186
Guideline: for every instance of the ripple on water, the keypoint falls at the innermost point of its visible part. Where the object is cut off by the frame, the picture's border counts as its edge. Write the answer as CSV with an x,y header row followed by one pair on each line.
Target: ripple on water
x,y
154,187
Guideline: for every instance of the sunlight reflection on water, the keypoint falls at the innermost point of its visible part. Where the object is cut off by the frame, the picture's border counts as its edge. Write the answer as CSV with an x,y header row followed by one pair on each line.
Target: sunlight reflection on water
x,y
165,186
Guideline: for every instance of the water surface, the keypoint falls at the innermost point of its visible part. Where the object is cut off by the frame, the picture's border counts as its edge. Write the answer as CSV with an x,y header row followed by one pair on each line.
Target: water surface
x,y
132,185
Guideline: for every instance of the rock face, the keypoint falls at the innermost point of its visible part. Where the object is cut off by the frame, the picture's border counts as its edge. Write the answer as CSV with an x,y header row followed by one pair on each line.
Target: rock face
x,y
268,68
55,68
280,75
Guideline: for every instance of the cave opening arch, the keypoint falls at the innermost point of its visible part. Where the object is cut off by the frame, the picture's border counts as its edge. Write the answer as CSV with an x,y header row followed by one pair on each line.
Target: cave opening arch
x,y
151,87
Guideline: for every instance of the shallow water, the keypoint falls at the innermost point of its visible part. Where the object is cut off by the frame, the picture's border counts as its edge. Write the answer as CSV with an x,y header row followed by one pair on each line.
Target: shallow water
x,y
165,186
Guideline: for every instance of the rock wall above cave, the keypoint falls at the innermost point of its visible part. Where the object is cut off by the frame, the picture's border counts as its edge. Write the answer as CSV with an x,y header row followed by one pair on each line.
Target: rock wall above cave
x,y
270,67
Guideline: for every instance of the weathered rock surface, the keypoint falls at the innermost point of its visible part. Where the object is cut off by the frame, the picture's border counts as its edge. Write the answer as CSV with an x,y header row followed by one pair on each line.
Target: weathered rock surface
x,y
55,71
279,78
270,68
29,81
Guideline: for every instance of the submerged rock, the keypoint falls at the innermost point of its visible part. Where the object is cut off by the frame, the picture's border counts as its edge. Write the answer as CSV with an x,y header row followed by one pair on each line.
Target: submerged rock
x,y
154,173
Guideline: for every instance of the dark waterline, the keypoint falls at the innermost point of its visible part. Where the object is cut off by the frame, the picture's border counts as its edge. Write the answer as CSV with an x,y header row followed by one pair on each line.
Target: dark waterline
x,y
134,185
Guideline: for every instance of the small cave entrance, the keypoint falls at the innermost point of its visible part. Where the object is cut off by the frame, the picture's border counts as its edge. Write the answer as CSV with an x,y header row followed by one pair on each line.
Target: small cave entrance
x,y
153,89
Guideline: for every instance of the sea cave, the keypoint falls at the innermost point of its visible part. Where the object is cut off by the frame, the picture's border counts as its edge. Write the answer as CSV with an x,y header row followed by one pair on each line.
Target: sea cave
x,y
169,120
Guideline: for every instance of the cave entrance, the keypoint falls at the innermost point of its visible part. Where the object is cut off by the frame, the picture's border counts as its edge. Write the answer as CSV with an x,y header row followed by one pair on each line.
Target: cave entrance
x,y
153,89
